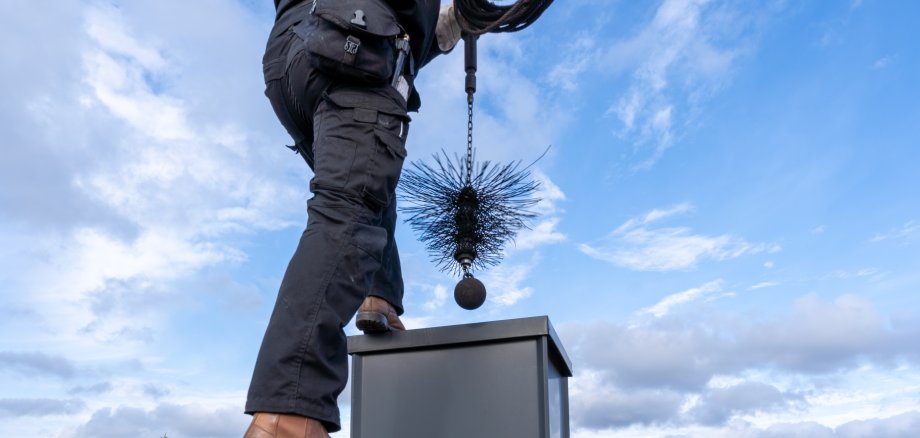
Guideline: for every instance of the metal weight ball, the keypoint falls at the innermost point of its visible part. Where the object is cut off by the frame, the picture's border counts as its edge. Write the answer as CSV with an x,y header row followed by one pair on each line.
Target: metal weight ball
x,y
470,293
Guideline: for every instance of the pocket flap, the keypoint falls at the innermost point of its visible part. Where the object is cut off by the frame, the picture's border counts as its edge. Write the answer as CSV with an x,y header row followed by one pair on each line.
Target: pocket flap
x,y
393,143
372,17
347,97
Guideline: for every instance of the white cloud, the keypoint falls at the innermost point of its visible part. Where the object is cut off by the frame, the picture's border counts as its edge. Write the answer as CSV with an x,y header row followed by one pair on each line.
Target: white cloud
x,y
417,322
764,284
882,62
684,53
653,216
685,373
661,308
106,27
177,184
543,233
502,132
580,53
549,194
438,298
546,229
902,234
726,370
872,274
25,407
146,158
179,421
821,336
504,284
866,272
153,255
35,363
121,88
717,405
634,245
595,405
904,425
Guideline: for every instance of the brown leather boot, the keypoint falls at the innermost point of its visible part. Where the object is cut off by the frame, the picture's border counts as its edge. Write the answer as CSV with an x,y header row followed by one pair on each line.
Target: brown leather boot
x,y
271,425
376,315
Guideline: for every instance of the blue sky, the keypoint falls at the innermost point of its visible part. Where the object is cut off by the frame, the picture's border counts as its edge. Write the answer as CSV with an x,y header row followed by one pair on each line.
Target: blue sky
x,y
727,243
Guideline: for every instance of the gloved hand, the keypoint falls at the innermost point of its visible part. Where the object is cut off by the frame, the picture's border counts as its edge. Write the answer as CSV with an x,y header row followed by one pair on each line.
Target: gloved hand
x,y
448,29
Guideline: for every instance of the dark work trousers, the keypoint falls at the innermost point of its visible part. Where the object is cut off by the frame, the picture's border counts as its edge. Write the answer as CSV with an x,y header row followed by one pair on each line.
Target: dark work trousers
x,y
347,251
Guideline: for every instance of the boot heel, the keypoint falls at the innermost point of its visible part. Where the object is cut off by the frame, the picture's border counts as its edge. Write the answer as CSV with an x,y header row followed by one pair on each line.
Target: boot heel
x,y
372,322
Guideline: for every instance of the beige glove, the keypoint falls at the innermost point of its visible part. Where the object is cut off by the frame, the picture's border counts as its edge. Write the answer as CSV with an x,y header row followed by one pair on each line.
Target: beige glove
x,y
448,29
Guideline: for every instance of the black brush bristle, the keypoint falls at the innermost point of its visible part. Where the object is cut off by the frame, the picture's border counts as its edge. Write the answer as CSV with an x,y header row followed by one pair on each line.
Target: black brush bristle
x,y
453,217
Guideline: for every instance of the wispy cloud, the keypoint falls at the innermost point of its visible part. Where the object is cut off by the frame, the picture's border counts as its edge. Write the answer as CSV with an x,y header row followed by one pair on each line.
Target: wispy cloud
x,y
686,52
653,216
764,284
903,234
664,306
505,284
117,71
883,62
545,231
502,132
843,274
580,52
634,245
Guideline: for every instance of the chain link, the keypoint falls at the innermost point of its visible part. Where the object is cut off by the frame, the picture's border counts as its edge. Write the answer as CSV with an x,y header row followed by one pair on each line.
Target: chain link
x,y
469,140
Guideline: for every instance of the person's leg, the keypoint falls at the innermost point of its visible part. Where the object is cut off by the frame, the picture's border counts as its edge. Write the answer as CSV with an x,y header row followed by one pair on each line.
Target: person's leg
x,y
388,282
302,365
291,85
381,309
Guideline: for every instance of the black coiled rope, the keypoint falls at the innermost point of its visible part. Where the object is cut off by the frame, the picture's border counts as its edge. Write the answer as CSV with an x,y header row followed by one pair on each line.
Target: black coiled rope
x,y
477,17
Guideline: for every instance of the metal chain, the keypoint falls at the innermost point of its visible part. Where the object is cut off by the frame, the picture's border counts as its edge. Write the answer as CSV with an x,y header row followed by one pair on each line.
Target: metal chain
x,y
469,140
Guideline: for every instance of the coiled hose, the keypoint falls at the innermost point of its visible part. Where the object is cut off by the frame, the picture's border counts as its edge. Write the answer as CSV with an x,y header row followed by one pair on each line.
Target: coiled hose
x,y
477,17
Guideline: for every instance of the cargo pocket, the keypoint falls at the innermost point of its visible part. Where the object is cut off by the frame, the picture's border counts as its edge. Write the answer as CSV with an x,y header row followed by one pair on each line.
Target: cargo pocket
x,y
387,159
334,160
367,131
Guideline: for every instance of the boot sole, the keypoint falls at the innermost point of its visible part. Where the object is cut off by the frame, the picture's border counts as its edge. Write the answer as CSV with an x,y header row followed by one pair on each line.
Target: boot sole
x,y
372,322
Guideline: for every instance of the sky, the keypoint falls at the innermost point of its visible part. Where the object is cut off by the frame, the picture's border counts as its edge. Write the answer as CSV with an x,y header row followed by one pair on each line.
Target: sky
x,y
727,241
